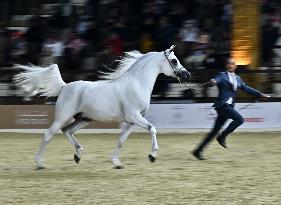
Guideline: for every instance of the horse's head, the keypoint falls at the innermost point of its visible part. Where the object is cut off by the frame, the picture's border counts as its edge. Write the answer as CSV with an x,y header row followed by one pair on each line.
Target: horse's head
x,y
173,67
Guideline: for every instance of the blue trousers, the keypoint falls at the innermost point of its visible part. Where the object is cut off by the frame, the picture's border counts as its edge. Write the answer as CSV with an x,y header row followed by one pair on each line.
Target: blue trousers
x,y
224,113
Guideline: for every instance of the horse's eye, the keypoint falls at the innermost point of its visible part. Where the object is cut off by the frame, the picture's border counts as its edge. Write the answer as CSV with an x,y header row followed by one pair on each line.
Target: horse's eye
x,y
174,61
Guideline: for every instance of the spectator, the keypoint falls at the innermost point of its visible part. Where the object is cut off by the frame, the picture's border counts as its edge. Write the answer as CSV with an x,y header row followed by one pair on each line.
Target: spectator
x,y
227,16
115,43
176,15
83,25
92,35
73,48
19,50
222,43
149,26
277,51
212,61
188,36
198,56
53,50
120,27
269,37
165,34
35,37
106,60
8,50
146,43
2,42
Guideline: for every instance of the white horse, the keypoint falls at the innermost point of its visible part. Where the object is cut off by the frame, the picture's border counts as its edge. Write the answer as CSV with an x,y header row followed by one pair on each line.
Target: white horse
x,y
123,97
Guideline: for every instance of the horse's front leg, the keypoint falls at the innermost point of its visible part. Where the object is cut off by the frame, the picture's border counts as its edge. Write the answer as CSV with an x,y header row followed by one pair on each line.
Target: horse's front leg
x,y
139,120
127,128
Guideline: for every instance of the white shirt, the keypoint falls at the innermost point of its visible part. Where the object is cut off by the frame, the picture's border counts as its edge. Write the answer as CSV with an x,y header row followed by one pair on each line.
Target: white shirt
x,y
233,81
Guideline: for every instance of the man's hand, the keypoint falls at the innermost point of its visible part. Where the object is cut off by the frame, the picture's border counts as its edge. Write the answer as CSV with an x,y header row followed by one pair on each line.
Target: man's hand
x,y
213,82
264,96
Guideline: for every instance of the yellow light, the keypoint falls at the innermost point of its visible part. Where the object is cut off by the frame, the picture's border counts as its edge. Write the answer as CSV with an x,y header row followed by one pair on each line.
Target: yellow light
x,y
241,57
246,33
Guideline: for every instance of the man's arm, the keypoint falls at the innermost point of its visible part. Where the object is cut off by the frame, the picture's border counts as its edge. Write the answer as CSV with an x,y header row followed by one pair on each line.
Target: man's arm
x,y
216,80
252,91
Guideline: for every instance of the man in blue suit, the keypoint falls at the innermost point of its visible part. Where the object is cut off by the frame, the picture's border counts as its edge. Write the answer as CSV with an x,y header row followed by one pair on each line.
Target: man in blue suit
x,y
228,84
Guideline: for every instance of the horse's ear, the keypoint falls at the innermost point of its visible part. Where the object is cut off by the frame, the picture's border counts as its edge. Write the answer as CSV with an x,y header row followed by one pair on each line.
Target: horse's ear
x,y
170,49
54,66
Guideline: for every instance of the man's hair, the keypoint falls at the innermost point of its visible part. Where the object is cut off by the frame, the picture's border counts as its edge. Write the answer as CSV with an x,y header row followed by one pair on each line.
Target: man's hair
x,y
226,60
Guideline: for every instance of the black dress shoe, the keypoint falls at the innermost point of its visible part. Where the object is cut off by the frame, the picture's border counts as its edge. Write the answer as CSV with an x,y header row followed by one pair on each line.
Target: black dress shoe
x,y
221,141
197,155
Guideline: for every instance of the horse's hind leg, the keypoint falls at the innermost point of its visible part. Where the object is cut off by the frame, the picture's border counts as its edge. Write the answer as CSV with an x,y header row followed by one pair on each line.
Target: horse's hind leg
x,y
49,133
69,130
127,128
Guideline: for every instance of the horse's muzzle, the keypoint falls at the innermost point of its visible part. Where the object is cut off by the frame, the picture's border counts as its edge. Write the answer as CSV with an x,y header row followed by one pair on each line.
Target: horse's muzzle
x,y
183,75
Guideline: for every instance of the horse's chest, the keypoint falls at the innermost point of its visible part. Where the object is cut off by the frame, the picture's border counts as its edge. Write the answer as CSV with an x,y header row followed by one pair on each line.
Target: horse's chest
x,y
144,108
137,103
143,103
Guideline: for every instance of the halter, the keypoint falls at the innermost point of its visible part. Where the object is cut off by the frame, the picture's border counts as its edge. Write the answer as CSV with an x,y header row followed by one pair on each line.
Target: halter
x,y
174,68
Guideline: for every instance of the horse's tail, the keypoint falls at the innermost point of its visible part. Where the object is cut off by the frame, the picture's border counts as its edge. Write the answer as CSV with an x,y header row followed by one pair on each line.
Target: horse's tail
x,y
35,80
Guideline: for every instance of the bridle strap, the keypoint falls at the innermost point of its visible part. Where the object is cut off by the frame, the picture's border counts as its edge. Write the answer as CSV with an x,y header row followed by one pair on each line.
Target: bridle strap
x,y
174,69
178,78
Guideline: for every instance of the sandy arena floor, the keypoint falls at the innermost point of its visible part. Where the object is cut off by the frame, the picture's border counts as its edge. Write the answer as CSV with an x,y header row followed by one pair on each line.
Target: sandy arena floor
x,y
247,173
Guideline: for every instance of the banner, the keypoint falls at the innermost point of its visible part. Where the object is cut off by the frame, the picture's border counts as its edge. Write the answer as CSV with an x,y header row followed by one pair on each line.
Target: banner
x,y
36,117
194,116
202,115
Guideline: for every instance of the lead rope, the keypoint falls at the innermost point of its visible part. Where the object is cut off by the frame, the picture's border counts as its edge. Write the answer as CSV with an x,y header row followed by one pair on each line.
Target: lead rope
x,y
178,78
200,85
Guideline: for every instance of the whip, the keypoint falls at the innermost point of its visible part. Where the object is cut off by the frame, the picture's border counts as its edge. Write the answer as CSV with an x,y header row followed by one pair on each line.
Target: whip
x,y
249,104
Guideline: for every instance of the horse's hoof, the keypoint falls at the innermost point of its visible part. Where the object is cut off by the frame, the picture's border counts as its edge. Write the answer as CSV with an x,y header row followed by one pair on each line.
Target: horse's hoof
x,y
76,159
151,158
117,163
39,167
118,167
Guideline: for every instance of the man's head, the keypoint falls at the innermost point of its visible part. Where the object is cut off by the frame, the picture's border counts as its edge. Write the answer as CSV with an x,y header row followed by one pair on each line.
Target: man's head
x,y
230,65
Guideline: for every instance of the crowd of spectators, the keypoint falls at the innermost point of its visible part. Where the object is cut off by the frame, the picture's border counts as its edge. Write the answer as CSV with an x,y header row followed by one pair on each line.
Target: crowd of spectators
x,y
84,43
271,32
107,28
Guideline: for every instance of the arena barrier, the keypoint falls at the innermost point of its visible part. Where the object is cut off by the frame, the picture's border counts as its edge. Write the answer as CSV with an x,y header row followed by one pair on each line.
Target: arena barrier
x,y
202,115
166,117
36,117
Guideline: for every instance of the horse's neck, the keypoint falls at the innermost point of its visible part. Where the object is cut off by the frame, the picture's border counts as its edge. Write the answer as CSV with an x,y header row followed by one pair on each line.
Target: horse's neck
x,y
147,73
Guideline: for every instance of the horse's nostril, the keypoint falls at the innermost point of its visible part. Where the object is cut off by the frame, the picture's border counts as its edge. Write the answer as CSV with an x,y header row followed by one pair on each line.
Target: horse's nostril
x,y
187,75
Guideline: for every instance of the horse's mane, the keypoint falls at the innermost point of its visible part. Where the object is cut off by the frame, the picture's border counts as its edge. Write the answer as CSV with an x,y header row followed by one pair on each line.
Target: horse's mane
x,y
124,64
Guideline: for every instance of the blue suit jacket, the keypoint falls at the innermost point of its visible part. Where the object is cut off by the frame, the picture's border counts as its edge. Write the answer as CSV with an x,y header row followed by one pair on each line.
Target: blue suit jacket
x,y
226,90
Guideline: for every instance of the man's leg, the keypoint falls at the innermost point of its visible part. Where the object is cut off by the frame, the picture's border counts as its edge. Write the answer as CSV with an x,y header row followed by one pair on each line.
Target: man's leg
x,y
238,120
221,119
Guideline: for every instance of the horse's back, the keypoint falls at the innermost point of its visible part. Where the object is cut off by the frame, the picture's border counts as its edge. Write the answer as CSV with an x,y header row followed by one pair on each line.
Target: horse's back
x,y
96,100
77,87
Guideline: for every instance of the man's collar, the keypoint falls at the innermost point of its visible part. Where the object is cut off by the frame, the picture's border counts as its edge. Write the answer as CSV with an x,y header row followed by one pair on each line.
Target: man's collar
x,y
231,73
